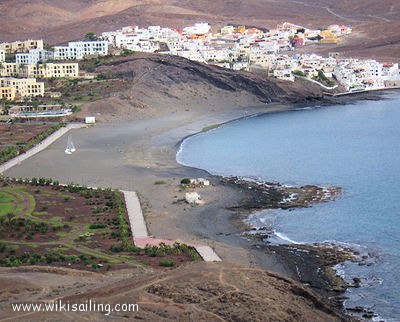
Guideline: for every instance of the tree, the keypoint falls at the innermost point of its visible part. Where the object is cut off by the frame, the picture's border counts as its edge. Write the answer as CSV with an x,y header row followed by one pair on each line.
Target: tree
x,y
91,36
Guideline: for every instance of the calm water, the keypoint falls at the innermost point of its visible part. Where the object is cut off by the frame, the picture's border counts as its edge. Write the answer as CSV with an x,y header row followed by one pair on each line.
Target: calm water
x,y
356,147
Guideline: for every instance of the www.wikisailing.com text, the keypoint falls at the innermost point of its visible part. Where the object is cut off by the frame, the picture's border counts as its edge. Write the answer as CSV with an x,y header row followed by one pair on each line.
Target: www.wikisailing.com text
x,y
87,306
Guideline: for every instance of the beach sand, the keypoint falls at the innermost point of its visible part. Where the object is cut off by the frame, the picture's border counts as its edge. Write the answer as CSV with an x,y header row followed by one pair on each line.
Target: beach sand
x,y
132,155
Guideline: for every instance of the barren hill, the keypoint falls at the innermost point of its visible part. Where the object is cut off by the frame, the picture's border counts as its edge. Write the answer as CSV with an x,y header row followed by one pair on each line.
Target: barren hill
x,y
375,23
196,292
155,83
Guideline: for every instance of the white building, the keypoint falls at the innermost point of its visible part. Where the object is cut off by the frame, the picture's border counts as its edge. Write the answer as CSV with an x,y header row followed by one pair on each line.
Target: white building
x,y
34,56
215,54
198,29
2,55
81,49
284,74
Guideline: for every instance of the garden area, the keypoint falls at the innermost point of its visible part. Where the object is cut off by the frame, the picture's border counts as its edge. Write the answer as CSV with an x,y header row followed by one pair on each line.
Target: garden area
x,y
45,223
16,138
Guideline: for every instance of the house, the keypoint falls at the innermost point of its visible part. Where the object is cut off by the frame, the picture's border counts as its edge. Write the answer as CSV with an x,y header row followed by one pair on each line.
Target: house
x,y
24,87
227,30
198,29
284,74
297,41
34,56
329,37
21,46
81,49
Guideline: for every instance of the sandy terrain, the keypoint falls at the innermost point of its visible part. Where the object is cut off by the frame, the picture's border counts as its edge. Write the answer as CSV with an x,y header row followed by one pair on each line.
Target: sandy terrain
x,y
132,155
196,292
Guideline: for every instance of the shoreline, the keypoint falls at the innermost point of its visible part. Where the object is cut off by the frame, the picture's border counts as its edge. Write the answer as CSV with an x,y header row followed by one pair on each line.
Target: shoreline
x,y
143,151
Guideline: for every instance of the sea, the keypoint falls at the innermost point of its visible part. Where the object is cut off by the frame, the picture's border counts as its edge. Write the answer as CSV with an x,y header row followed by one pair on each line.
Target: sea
x,y
355,146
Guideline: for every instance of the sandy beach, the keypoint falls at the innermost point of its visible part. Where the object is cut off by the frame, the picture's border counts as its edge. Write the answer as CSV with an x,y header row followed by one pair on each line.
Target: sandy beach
x,y
132,155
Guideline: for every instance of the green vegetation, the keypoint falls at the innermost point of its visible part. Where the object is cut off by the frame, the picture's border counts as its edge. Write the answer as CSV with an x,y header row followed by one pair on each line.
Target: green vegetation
x,y
167,263
127,52
14,149
8,153
91,36
38,226
48,258
177,248
158,182
209,127
97,226
299,73
323,79
185,181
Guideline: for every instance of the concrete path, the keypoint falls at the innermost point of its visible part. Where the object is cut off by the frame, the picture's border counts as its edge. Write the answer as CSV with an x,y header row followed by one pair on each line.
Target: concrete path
x,y
207,253
39,147
136,219
141,237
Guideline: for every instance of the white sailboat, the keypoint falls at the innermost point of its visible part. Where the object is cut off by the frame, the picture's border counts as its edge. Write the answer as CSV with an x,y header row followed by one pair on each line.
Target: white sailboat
x,y
70,146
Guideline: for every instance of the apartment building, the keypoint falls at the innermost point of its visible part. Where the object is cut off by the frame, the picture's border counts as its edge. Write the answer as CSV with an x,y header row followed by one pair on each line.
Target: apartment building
x,y
7,93
80,50
21,46
8,69
2,55
50,70
34,56
47,70
24,87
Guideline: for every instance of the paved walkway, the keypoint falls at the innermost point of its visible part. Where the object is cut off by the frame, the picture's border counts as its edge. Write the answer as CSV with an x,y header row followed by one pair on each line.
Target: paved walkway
x,y
40,147
141,237
140,234
208,254
136,219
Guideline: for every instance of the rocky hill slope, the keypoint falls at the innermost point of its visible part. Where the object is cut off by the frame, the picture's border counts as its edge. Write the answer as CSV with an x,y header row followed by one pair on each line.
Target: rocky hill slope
x,y
375,23
160,83
196,292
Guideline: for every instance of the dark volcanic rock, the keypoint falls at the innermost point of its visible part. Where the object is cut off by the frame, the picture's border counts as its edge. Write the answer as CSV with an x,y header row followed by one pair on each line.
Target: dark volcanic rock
x,y
160,72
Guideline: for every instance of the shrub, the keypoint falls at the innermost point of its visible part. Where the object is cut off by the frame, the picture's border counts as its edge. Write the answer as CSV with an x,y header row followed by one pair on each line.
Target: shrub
x,y
160,182
185,181
97,226
134,249
116,248
167,263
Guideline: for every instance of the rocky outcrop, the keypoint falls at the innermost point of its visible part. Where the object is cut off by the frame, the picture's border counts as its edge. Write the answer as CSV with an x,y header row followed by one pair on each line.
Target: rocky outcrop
x,y
161,73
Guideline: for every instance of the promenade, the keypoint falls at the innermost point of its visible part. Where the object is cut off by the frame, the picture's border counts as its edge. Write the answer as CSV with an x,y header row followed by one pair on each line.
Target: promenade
x,y
40,147
140,234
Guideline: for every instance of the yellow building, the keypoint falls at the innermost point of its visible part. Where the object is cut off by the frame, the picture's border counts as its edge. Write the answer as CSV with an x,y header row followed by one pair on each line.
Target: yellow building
x,y
8,69
329,37
47,70
241,29
24,87
21,46
7,93
227,30
50,70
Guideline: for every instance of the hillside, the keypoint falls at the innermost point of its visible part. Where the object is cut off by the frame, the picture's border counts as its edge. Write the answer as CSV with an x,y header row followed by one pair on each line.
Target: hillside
x,y
150,84
375,24
198,292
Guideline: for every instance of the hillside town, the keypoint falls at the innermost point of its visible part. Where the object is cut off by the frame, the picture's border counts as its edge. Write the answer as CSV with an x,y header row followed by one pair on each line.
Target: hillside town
x,y
25,65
